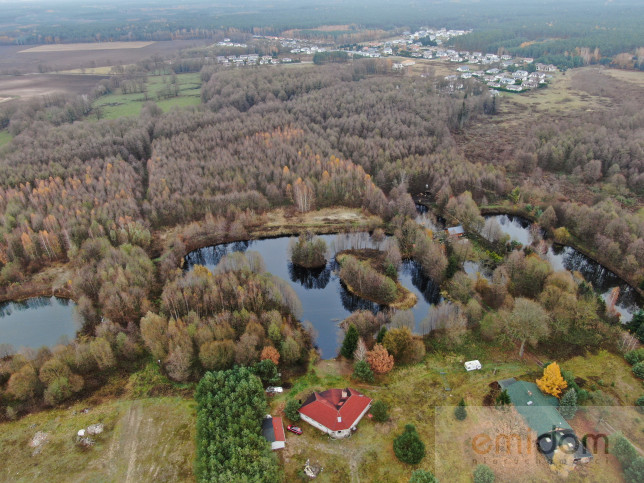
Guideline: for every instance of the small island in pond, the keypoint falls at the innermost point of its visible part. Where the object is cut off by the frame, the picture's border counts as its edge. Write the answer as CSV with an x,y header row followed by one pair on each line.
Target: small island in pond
x,y
308,251
368,274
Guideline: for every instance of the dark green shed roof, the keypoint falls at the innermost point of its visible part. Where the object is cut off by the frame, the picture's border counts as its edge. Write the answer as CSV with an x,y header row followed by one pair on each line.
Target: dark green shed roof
x,y
539,411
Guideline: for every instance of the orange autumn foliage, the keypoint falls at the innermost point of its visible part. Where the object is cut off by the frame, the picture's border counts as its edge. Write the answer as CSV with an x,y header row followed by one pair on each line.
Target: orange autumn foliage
x,y
271,353
379,360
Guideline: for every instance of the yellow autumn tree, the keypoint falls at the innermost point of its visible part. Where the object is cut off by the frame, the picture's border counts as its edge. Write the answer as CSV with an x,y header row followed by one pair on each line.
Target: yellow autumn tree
x,y
552,381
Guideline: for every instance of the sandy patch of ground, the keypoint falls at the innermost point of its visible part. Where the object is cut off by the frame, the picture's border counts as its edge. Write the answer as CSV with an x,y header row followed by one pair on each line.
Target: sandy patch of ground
x,y
4,99
88,46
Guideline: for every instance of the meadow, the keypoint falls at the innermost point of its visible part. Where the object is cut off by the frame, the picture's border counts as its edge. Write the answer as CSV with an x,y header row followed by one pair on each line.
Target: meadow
x,y
116,105
415,394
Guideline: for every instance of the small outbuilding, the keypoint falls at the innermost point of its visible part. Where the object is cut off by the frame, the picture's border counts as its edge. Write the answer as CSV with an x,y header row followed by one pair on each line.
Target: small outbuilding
x,y
273,431
455,231
473,365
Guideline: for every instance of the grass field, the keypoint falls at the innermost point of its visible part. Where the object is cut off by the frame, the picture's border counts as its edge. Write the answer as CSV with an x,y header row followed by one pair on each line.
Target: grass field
x,y
144,440
413,395
118,105
5,137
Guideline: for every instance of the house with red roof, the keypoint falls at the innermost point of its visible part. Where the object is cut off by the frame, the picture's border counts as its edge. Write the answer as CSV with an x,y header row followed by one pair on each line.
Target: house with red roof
x,y
273,431
335,411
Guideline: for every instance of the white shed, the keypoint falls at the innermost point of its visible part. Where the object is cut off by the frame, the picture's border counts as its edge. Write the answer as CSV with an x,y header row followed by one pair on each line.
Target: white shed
x,y
472,365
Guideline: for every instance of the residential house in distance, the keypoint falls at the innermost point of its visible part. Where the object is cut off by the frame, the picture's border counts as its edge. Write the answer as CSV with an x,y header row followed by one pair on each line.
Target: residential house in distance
x,y
336,412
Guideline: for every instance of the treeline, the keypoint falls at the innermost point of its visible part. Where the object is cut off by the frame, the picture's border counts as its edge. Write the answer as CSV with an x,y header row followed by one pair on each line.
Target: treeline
x,y
330,57
230,446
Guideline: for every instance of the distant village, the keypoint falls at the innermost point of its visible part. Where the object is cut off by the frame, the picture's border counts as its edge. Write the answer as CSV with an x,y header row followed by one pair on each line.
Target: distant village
x,y
499,72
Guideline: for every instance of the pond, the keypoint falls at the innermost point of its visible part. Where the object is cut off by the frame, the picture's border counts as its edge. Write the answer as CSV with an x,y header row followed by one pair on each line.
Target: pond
x,y
38,321
325,300
567,258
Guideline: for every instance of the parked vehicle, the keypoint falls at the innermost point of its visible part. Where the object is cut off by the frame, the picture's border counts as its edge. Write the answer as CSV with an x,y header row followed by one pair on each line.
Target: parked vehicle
x,y
274,390
294,429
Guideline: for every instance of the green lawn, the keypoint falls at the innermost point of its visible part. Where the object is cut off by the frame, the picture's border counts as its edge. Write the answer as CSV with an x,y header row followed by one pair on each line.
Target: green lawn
x,y
118,105
5,137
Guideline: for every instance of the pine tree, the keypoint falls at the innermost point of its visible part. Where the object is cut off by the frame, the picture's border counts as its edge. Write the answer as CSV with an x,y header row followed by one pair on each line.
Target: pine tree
x,y
350,342
408,447
503,398
460,412
568,404
379,412
362,371
552,381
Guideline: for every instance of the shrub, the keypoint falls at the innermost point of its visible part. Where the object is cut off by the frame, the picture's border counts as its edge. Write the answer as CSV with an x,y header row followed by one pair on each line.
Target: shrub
x,y
635,356
398,343
623,450
460,412
408,447
24,383
638,370
379,360
640,404
635,472
422,476
483,474
291,410
379,411
362,371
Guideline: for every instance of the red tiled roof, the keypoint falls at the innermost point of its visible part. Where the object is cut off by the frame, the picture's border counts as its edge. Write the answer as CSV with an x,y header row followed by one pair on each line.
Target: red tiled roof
x,y
278,427
328,406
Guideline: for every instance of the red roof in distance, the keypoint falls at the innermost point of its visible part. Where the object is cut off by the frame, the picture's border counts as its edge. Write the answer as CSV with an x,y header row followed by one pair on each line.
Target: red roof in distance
x,y
336,409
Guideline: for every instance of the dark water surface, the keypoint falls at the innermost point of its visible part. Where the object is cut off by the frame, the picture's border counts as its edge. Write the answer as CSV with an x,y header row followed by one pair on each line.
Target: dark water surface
x,y
38,321
325,301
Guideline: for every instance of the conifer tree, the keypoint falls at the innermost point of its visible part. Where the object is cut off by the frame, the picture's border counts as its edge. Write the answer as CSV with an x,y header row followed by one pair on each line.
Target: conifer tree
x,y
568,404
350,342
